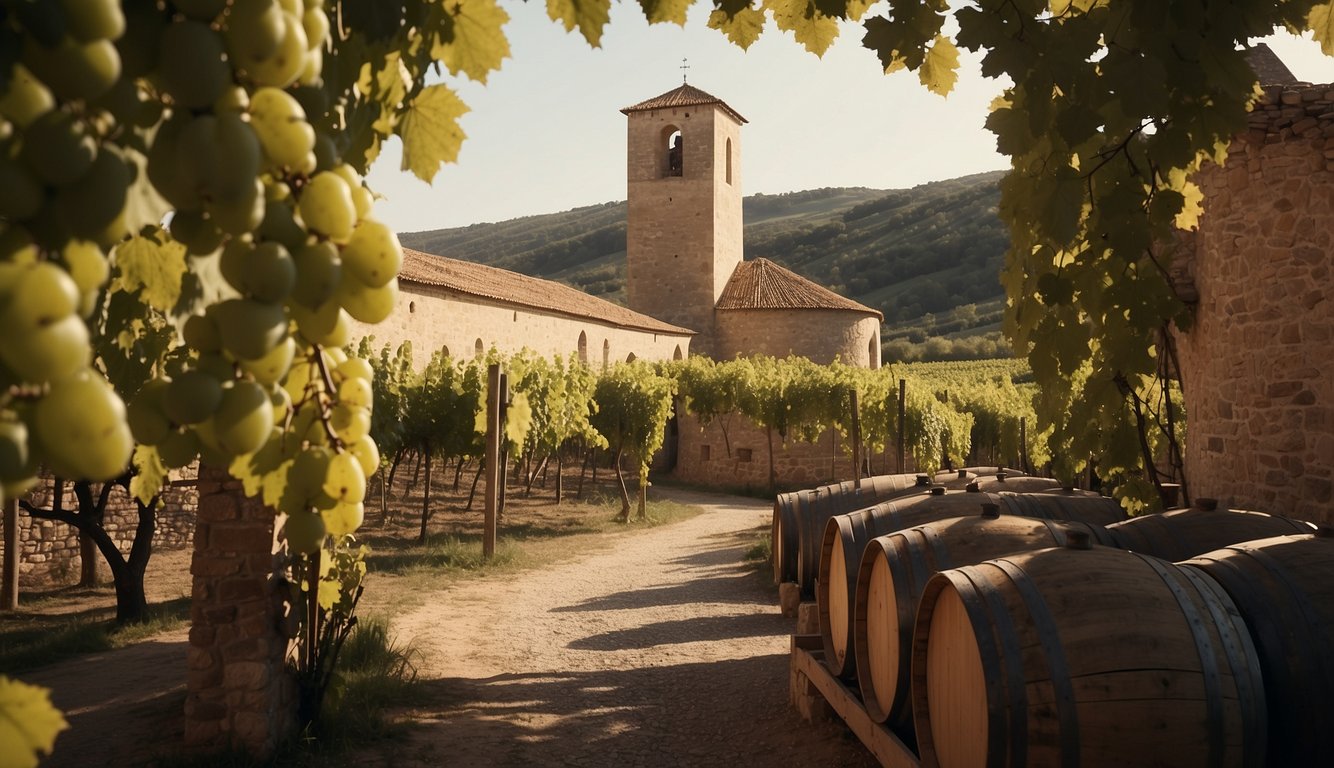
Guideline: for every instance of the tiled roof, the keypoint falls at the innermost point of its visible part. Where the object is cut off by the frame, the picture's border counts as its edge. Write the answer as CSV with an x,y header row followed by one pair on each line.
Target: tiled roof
x,y
762,284
685,96
1269,68
513,288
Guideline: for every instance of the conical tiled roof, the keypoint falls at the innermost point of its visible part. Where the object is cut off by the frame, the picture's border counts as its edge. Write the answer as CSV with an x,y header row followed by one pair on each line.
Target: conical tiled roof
x,y
1268,67
762,284
685,96
513,288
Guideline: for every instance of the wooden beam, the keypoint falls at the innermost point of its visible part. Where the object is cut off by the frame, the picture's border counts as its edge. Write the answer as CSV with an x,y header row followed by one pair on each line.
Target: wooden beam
x,y
494,460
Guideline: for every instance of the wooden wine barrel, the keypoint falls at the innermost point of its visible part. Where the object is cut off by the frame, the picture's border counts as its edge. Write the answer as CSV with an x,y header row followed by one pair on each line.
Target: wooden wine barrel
x,y
801,552
784,533
1284,589
1005,480
894,570
1062,504
1184,533
1091,657
845,537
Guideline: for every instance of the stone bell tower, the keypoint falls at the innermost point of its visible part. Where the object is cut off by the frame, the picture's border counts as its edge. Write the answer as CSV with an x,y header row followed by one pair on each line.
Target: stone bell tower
x,y
684,235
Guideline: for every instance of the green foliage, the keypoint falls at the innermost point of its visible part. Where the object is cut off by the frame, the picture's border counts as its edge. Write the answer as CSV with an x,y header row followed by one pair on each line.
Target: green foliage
x,y
29,723
633,405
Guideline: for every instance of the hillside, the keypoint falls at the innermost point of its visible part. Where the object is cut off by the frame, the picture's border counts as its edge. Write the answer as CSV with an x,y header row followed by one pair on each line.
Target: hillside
x,y
927,257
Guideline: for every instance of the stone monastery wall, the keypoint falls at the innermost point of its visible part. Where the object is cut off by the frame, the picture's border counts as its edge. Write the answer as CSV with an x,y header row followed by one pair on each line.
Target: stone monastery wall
x,y
1258,366
435,318
817,334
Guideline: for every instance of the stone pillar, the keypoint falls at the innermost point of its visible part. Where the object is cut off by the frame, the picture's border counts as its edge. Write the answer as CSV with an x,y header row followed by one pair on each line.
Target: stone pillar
x,y
240,692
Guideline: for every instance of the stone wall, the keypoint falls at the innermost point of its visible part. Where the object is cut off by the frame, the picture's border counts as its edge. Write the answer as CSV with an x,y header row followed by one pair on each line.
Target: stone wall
x,y
820,335
433,318
733,454
49,550
1257,366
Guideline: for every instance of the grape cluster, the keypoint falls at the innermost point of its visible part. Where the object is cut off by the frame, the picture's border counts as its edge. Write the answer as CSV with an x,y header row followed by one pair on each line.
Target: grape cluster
x,y
205,102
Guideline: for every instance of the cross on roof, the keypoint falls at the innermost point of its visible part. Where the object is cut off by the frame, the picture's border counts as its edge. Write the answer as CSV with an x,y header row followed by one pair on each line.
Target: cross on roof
x,y
684,66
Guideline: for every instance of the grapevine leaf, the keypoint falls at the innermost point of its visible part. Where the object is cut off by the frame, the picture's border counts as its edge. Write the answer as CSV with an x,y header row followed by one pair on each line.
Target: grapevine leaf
x,y
808,26
153,266
478,44
150,474
144,207
742,28
1321,22
673,11
589,16
939,70
430,131
28,723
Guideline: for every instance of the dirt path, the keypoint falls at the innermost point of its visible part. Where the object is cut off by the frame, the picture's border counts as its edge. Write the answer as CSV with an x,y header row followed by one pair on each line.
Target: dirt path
x,y
666,650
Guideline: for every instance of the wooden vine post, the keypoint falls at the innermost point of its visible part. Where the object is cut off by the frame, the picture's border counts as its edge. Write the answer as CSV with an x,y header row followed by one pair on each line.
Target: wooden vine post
x,y
855,434
495,459
903,393
9,588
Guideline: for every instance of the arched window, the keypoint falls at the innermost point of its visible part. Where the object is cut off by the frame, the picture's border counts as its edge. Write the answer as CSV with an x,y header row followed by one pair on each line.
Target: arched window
x,y
677,355
673,152
478,349
606,353
728,161
583,348
444,350
630,358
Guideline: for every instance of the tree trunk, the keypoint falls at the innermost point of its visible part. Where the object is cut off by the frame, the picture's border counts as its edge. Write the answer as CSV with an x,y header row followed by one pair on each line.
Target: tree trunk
x,y
560,478
472,493
458,471
131,603
773,474
426,496
643,492
393,468
583,467
384,504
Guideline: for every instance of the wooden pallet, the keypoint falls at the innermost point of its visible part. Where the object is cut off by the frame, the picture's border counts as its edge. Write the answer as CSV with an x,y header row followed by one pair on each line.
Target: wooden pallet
x,y
811,681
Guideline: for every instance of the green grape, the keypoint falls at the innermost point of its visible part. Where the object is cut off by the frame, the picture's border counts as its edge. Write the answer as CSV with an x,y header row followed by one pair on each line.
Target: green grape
x,y
280,225
355,392
89,20
123,100
299,377
49,353
232,262
280,124
250,328
202,10
294,7
80,425
215,364
271,368
305,531
282,405
74,70
312,68
192,64
21,196
356,368
369,305
191,397
145,413
201,334
270,273
95,200
244,418
309,470
138,47
326,154
326,325
335,356
373,254
344,518
281,68
350,423
326,207
42,293
14,461
318,270
58,149
210,451
234,160
43,20
88,269
171,174
255,29
179,448
315,23
367,453
195,231
26,98
240,216
233,99
344,481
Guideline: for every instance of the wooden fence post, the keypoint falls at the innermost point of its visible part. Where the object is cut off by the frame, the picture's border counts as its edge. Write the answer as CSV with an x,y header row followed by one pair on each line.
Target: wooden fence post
x,y
494,468
856,436
903,389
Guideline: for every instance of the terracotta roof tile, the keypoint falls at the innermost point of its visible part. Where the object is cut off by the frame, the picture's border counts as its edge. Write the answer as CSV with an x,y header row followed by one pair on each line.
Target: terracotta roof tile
x,y
762,284
513,288
1268,67
684,96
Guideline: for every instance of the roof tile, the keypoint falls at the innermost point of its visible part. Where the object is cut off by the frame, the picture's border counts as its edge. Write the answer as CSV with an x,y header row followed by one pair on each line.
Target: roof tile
x,y
762,284
684,96
513,288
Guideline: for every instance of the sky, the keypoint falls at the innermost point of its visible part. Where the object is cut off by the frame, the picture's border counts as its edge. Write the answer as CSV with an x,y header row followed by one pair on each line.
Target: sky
x,y
545,133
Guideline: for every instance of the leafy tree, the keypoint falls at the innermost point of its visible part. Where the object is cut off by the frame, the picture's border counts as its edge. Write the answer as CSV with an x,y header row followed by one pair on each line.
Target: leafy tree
x,y
633,405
